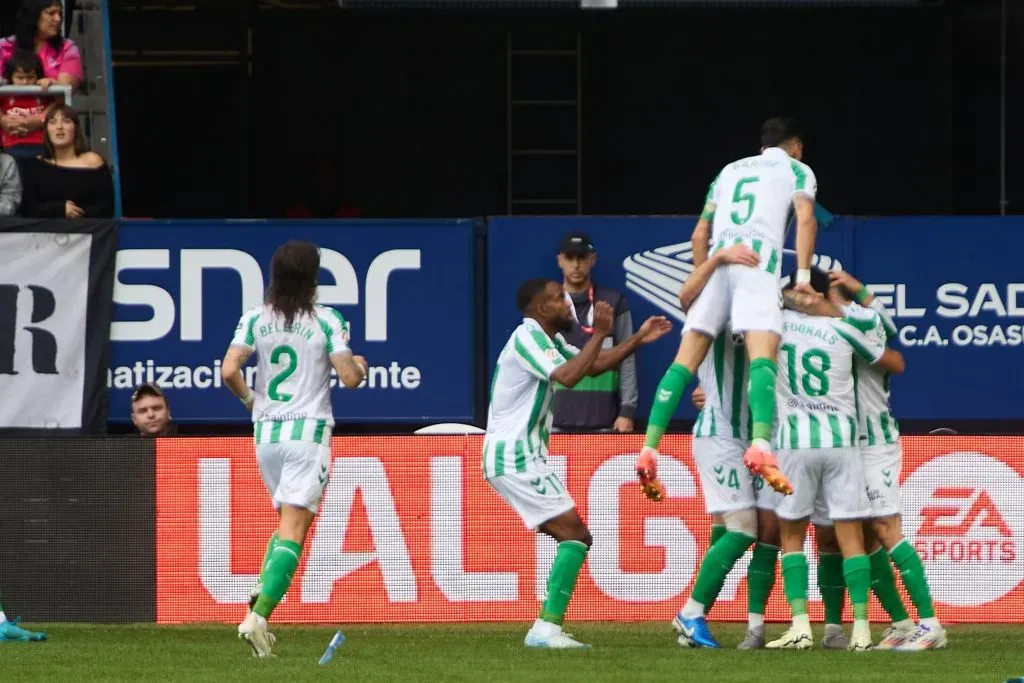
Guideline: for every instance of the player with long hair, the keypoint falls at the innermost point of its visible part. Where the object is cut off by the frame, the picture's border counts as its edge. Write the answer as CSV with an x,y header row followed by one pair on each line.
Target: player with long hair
x,y
297,343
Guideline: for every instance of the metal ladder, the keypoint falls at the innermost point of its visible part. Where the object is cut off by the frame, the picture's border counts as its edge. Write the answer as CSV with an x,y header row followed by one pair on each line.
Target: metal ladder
x,y
543,140
94,101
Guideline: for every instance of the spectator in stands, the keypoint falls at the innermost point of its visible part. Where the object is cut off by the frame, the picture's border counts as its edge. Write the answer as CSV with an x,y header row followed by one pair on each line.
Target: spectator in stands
x,y
10,186
69,180
21,116
322,194
39,31
151,413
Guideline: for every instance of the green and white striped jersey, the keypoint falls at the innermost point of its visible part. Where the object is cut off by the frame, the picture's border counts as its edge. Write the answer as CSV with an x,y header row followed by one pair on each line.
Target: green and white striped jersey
x,y
876,424
723,377
751,199
815,396
522,395
293,371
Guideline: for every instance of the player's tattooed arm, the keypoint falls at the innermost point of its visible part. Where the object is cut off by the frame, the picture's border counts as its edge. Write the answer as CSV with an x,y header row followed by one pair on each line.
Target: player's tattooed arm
x,y
809,304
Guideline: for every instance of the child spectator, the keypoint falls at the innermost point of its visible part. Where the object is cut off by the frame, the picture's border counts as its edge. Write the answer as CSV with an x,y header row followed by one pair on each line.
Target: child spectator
x,y
69,180
21,116
39,31
10,186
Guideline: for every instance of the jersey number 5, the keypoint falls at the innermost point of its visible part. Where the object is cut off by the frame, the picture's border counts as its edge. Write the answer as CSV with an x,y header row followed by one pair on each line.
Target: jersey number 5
x,y
747,199
290,363
815,364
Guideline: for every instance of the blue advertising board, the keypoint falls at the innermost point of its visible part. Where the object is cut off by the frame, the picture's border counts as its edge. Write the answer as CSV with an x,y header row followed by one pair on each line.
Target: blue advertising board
x,y
645,258
406,288
954,286
956,289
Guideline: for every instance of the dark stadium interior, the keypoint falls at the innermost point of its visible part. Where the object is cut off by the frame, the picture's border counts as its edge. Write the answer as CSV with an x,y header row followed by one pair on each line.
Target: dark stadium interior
x,y
902,105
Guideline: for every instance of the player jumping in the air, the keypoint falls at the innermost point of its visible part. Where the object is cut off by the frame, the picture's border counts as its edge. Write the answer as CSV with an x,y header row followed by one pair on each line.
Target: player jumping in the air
x,y
748,204
883,461
818,453
297,343
518,424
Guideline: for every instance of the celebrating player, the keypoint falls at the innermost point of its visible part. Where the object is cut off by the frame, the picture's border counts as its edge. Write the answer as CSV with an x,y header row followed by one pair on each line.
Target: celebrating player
x,y
297,343
721,435
748,204
741,506
883,460
518,424
817,451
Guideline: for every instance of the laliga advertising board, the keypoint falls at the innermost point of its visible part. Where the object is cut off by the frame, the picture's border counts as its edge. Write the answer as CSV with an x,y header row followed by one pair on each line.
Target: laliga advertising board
x,y
409,531
182,286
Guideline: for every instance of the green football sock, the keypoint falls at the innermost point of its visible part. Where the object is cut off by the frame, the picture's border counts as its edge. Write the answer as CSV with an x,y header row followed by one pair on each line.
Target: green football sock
x,y
666,399
761,577
794,580
717,531
912,572
883,585
761,394
857,572
568,561
270,550
831,586
278,576
717,564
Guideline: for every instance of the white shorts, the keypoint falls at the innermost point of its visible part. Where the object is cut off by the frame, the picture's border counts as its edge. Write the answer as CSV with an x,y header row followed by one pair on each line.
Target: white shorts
x,y
295,472
537,494
749,299
834,474
767,497
882,467
726,483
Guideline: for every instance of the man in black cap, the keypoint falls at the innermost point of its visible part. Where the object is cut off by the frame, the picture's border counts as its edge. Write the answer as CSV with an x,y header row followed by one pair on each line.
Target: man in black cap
x,y
606,402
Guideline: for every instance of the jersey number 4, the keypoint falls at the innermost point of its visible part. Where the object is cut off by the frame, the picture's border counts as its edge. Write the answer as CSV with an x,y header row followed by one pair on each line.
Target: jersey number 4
x,y
290,362
814,378
743,199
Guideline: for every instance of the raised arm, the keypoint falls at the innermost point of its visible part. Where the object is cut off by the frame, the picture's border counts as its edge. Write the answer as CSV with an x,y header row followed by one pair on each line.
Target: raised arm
x,y
694,285
810,304
864,297
579,366
653,329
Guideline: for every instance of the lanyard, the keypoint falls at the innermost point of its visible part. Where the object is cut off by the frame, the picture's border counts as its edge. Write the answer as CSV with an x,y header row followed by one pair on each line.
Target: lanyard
x,y
589,327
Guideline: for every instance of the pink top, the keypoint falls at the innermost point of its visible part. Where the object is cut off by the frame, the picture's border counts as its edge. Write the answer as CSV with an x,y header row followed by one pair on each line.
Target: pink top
x,y
67,60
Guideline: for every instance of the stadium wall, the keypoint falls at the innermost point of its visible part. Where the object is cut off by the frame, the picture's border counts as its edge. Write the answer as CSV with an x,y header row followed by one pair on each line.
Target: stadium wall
x,y
174,530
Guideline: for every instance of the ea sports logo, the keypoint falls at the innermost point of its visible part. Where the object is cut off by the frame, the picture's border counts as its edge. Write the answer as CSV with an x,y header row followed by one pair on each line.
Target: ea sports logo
x,y
960,513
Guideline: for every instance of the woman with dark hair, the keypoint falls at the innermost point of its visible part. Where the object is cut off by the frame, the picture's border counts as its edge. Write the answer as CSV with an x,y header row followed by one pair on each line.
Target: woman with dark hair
x,y
39,30
298,343
69,180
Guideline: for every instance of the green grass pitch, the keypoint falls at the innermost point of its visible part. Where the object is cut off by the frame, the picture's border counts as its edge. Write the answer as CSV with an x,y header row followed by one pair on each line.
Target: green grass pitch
x,y
487,653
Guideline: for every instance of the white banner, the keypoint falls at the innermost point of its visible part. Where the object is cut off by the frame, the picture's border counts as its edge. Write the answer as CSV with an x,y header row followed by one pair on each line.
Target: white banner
x,y
44,293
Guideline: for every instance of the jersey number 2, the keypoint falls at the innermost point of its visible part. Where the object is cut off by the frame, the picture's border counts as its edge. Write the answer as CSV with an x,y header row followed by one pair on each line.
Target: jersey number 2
x,y
816,371
290,363
745,198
